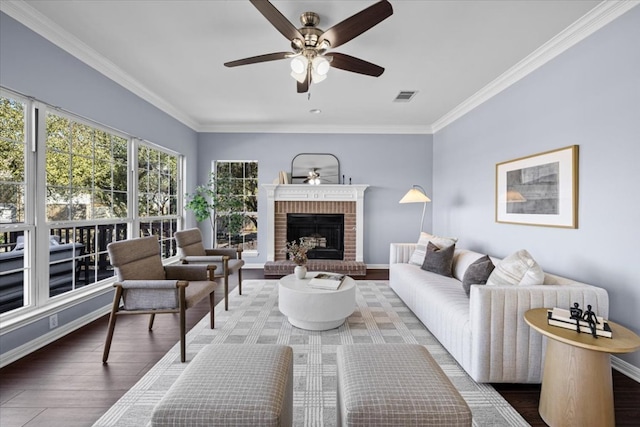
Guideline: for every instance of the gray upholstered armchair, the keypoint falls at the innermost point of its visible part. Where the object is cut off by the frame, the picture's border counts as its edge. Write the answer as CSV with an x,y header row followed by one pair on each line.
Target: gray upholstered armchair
x,y
228,261
147,287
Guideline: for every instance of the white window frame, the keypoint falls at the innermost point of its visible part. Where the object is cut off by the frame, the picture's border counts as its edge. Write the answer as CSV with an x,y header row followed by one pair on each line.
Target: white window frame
x,y
245,252
37,283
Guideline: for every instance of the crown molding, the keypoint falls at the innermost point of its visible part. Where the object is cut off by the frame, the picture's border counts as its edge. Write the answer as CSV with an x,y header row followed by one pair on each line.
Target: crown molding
x,y
591,22
40,24
325,128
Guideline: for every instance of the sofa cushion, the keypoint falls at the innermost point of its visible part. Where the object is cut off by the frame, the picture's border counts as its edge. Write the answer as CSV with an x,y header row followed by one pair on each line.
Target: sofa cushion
x,y
439,261
417,258
518,268
477,273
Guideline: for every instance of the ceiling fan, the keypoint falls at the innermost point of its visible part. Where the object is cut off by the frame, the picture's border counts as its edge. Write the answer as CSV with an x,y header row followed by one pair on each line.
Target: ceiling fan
x,y
309,43
312,177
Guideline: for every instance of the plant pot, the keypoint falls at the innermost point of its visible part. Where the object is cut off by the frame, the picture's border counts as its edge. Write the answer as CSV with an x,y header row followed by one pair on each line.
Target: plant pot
x,y
300,271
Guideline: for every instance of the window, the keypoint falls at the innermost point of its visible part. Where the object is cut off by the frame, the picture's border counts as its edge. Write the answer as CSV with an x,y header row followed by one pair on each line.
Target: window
x,y
242,177
158,196
12,160
15,227
83,194
86,200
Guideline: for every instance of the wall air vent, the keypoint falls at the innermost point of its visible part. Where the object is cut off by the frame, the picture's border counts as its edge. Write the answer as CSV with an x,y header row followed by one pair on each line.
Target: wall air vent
x,y
405,96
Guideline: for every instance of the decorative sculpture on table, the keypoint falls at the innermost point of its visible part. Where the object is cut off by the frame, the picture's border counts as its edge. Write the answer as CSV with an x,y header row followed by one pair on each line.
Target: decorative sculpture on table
x,y
576,313
590,317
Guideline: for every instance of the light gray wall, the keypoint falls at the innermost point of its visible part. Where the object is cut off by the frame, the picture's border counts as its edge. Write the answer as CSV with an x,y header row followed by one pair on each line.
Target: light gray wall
x,y
31,65
589,96
389,164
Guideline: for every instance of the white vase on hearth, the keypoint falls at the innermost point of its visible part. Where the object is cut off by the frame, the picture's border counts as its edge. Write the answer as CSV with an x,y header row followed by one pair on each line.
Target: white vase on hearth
x,y
300,271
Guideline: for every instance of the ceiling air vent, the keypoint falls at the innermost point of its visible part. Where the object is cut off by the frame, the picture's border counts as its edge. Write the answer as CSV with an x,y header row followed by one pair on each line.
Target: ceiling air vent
x,y
405,96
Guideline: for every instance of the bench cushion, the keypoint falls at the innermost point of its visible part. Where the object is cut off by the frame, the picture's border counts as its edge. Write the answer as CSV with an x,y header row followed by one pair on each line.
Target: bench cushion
x,y
395,384
231,385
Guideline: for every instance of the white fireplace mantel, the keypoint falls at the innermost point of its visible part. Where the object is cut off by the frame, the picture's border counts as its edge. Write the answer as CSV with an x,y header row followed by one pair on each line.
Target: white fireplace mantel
x,y
315,193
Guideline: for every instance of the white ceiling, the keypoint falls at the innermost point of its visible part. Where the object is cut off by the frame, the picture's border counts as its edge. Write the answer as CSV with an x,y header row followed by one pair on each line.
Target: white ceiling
x,y
456,54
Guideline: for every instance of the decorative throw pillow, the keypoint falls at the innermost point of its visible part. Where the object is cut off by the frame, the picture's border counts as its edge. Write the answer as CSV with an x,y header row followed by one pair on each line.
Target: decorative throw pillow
x,y
477,273
439,261
417,257
517,269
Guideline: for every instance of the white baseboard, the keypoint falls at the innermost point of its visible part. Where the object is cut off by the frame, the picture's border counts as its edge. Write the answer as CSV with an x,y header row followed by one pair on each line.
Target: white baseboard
x,y
625,368
27,348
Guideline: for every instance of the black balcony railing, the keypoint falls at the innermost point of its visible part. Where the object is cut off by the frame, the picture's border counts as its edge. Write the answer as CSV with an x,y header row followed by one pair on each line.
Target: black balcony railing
x,y
78,257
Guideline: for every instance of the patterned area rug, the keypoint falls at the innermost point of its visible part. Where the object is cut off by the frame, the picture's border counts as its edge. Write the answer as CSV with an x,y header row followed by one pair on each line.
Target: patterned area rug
x,y
380,317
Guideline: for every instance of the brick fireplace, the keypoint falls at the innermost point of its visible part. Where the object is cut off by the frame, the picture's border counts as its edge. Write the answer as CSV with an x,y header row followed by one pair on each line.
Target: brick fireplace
x,y
315,199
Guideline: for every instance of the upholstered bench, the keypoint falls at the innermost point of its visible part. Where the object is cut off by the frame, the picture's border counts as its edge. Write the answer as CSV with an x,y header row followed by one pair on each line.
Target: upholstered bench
x,y
231,385
395,384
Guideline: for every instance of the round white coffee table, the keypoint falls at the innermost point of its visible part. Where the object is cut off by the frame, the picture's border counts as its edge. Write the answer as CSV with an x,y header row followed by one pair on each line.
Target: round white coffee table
x,y
315,309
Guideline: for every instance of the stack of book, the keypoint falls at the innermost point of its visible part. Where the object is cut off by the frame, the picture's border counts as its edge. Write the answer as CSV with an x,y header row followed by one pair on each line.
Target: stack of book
x,y
562,318
331,281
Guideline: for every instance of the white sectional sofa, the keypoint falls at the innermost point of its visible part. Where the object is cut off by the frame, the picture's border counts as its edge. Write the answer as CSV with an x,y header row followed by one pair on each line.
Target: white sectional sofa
x,y
485,331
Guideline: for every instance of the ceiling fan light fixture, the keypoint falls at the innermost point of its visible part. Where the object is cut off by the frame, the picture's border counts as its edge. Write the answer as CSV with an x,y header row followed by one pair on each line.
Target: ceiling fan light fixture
x,y
317,78
300,77
299,64
320,65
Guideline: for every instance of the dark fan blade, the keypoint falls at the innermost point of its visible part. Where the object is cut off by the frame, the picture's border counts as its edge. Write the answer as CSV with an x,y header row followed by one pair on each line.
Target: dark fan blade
x,y
355,65
304,86
357,24
259,58
277,19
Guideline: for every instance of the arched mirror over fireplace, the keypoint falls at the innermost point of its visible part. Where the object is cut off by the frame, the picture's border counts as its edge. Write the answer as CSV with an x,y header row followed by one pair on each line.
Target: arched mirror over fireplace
x,y
315,169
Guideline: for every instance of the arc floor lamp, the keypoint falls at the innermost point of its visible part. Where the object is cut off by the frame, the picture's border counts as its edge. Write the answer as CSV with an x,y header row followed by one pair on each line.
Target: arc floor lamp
x,y
417,195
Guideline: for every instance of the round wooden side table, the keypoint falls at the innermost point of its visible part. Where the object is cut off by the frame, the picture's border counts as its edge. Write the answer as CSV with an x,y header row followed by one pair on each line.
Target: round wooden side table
x,y
576,383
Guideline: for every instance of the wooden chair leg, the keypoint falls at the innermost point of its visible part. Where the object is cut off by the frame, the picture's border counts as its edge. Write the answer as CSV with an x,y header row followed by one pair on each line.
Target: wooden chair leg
x,y
112,323
151,319
240,281
183,323
226,291
212,304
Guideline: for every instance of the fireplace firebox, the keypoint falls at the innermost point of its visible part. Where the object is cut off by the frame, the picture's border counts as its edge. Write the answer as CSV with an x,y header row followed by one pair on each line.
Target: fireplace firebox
x,y
325,231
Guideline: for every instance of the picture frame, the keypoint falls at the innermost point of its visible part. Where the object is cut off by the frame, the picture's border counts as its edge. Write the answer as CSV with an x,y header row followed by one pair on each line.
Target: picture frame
x,y
540,189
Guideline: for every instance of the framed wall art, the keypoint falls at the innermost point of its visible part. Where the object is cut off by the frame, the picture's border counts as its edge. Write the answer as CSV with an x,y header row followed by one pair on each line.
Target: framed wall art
x,y
541,189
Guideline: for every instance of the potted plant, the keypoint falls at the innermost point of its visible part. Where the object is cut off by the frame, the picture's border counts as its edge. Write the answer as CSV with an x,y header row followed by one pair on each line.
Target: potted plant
x,y
214,199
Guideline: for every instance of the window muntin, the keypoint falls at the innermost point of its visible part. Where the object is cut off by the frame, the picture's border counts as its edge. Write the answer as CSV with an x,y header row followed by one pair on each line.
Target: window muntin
x,y
243,176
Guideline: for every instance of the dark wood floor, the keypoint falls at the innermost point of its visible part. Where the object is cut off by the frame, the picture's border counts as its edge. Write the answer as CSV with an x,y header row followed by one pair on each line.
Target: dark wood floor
x,y
65,383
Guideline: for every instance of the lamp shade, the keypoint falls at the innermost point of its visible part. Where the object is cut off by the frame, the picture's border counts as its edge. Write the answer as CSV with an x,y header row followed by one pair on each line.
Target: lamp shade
x,y
301,77
415,196
320,65
317,78
299,64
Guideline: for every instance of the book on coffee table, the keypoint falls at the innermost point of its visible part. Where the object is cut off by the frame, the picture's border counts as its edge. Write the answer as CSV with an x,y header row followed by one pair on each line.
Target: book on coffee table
x,y
331,281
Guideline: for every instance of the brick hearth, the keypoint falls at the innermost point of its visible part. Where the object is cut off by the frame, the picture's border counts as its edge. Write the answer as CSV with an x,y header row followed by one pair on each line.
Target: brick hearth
x,y
284,267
